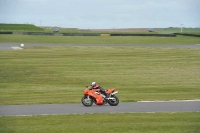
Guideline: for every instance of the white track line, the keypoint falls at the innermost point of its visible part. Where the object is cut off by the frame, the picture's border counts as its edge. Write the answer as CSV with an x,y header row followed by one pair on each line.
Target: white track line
x,y
16,48
173,101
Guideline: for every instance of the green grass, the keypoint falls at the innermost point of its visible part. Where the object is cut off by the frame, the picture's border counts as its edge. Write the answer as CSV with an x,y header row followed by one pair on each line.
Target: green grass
x,y
130,31
59,74
98,40
178,30
33,28
19,27
39,75
68,30
107,31
98,123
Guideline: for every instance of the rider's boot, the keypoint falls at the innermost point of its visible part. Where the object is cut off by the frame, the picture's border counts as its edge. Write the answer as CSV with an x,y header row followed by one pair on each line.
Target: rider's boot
x,y
107,95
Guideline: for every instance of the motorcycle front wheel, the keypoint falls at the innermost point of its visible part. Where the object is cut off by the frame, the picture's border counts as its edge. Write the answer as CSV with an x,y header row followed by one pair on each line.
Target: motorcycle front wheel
x,y
113,102
87,101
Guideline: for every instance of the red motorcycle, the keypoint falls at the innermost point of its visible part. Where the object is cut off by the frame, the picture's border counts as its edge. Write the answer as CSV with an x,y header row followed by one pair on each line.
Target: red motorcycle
x,y
95,96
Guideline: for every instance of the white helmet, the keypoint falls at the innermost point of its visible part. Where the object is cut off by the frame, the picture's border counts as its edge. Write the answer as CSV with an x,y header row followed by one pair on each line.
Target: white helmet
x,y
93,83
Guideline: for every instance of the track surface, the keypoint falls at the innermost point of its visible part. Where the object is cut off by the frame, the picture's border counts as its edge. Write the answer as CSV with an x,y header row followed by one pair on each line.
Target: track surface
x,y
50,109
11,46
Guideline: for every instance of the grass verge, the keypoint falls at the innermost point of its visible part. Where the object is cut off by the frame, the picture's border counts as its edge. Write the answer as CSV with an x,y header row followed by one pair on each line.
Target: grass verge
x,y
98,40
59,74
112,123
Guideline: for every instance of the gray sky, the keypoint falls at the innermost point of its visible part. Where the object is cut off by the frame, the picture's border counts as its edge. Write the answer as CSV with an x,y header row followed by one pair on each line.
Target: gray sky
x,y
97,14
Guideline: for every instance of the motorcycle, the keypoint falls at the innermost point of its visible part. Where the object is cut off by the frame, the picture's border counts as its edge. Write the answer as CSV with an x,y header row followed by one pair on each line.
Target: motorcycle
x,y
95,96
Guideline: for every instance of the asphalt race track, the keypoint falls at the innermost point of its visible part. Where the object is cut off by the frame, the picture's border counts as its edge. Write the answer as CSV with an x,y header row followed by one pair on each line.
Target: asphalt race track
x,y
130,107
15,46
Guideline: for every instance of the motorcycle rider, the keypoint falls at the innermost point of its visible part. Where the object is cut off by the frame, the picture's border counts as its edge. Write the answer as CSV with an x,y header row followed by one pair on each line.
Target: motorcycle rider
x,y
94,85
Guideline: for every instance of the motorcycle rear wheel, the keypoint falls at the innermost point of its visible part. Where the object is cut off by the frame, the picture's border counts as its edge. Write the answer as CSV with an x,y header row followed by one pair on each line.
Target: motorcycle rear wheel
x,y
113,102
87,101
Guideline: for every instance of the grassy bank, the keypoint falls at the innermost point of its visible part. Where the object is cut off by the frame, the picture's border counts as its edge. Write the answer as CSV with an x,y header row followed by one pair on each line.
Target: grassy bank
x,y
19,27
60,74
178,30
112,123
98,40
31,28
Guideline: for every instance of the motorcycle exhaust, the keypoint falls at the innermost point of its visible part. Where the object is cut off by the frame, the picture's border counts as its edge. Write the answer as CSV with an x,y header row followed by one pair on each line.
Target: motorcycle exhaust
x,y
111,95
110,98
114,93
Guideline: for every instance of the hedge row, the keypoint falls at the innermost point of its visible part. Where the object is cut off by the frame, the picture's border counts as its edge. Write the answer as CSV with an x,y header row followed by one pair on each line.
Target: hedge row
x,y
158,35
98,34
81,34
184,34
6,32
37,33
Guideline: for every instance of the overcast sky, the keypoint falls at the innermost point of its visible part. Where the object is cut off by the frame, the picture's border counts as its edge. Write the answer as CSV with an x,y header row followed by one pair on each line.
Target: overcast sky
x,y
97,14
